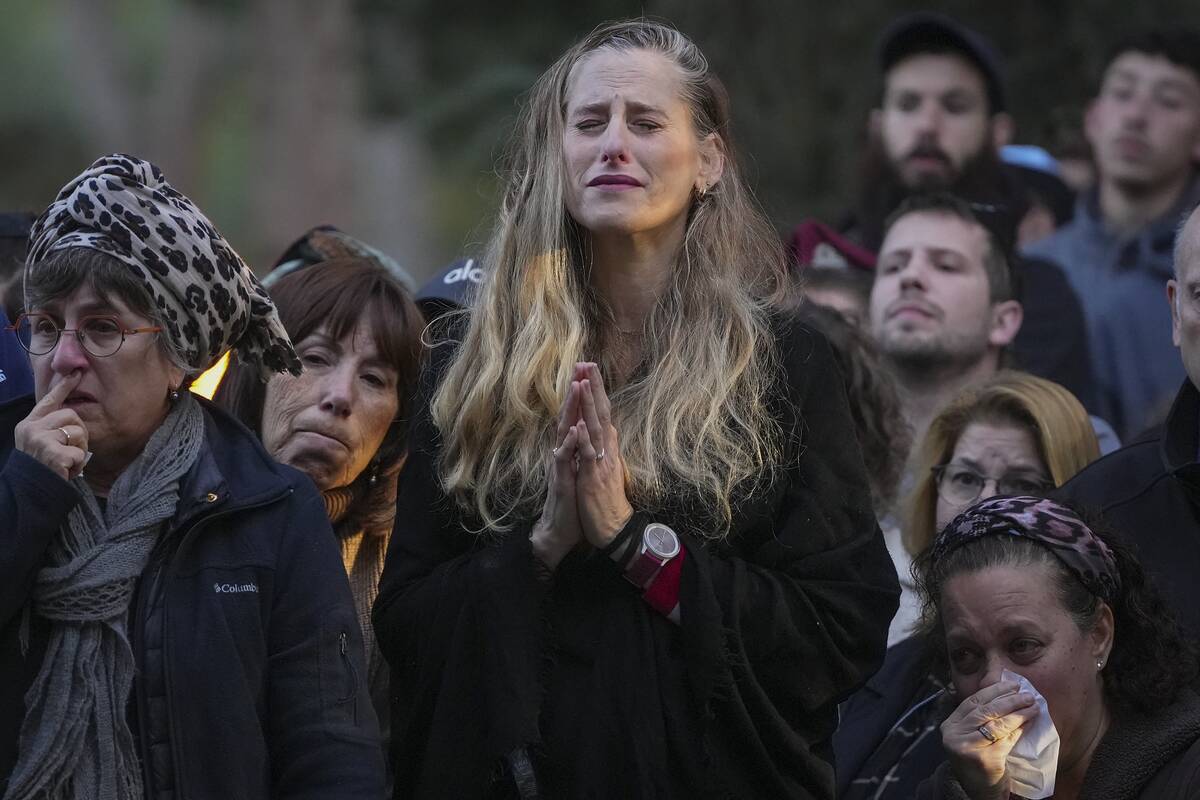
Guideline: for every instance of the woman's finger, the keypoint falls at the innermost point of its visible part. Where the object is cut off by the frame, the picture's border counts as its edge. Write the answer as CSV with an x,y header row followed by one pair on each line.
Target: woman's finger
x,y
53,399
67,420
984,696
564,454
1011,723
567,417
1004,705
600,395
587,451
595,427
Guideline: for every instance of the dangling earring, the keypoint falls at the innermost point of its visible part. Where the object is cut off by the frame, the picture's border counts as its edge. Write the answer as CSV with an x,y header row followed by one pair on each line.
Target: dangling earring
x,y
374,479
173,395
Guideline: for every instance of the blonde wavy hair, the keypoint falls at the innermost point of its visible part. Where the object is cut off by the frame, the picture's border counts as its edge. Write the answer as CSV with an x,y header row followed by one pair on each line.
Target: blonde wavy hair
x,y
694,419
1066,441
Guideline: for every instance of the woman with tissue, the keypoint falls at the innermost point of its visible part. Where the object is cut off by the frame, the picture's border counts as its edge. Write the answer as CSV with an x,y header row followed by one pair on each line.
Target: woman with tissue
x,y
1072,678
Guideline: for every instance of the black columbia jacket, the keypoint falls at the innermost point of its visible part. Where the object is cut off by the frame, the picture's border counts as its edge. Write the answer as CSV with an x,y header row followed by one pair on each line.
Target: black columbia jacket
x,y
250,681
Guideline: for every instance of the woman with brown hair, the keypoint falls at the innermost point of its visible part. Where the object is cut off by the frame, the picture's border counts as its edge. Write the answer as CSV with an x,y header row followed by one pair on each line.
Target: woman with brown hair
x,y
343,420
635,552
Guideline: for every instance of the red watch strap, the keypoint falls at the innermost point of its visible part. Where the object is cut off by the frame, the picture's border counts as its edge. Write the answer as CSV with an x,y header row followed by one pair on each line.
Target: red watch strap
x,y
663,592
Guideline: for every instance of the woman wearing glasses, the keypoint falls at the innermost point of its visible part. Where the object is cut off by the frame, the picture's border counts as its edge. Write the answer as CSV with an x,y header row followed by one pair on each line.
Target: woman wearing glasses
x,y
1016,434
174,620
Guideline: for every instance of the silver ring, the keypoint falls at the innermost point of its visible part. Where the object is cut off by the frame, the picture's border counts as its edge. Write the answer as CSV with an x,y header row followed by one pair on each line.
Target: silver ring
x,y
986,733
600,456
67,443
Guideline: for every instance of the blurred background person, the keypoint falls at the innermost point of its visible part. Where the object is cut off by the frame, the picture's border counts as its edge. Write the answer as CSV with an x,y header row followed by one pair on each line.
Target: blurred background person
x,y
593,589
883,436
160,564
317,245
833,271
16,377
1144,127
1051,201
1023,584
344,420
453,288
1014,434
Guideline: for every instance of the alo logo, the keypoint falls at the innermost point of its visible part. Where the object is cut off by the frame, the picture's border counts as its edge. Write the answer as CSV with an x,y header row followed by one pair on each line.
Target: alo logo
x,y
467,272
234,588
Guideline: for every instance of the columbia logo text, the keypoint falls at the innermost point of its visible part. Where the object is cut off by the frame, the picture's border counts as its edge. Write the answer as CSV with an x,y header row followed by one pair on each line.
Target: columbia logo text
x,y
234,588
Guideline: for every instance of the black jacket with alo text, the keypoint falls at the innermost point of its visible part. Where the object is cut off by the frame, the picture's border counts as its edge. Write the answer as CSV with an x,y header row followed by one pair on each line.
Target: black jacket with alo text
x,y
249,656
779,622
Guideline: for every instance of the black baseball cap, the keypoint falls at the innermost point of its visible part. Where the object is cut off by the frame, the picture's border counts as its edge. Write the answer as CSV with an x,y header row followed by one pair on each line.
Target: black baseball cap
x,y
929,32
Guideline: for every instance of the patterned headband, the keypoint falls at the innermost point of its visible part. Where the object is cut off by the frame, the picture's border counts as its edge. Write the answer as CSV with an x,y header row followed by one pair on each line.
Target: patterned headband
x,y
1055,527
209,299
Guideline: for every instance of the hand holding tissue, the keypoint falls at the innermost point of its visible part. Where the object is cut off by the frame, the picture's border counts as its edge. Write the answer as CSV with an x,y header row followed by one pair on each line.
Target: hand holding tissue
x,y
1033,761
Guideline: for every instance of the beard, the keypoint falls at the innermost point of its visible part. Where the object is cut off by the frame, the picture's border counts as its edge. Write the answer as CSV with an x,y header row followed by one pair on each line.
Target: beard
x,y
981,179
926,356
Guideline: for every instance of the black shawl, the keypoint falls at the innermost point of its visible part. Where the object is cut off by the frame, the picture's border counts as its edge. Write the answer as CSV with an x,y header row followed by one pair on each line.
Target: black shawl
x,y
780,622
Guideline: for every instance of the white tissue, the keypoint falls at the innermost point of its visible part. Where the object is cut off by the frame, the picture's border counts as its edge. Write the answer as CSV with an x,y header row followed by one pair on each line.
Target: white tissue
x,y
1033,761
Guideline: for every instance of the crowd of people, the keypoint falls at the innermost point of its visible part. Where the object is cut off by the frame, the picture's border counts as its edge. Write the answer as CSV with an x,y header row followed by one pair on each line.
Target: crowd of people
x,y
643,500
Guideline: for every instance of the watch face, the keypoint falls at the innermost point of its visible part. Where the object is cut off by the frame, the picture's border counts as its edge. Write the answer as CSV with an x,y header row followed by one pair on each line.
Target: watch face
x,y
661,541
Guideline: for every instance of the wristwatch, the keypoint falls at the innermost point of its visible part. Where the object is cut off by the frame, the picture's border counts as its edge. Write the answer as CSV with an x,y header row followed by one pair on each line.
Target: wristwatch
x,y
659,545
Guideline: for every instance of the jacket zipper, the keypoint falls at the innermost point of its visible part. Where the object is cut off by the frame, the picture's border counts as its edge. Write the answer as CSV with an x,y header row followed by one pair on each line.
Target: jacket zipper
x,y
180,787
349,664
141,699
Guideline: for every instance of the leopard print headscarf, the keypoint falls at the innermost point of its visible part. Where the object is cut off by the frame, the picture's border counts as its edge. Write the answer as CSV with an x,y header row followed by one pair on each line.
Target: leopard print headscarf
x,y
208,298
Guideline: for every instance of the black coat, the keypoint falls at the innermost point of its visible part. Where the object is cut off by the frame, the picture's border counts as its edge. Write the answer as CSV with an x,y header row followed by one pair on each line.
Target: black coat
x,y
1150,490
259,692
780,622
1141,757
888,740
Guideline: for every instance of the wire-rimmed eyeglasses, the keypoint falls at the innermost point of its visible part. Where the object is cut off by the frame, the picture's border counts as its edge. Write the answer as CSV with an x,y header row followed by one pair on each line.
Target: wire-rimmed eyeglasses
x,y
99,334
961,485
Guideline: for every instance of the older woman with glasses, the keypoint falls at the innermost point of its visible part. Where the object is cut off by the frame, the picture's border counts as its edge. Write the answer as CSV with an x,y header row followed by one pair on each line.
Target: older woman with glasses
x,y
1016,434
174,620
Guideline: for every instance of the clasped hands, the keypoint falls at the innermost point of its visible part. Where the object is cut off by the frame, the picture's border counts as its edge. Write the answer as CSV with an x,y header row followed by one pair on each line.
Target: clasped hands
x,y
585,496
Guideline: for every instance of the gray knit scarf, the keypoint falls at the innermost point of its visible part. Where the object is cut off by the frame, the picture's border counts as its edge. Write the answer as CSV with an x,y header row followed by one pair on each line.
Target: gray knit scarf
x,y
75,739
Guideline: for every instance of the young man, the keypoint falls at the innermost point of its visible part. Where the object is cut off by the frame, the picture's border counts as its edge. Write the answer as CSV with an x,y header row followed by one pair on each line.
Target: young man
x,y
942,307
1144,126
940,121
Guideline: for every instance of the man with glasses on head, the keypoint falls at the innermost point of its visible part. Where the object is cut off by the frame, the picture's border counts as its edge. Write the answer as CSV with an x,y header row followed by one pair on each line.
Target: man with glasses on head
x,y
942,307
